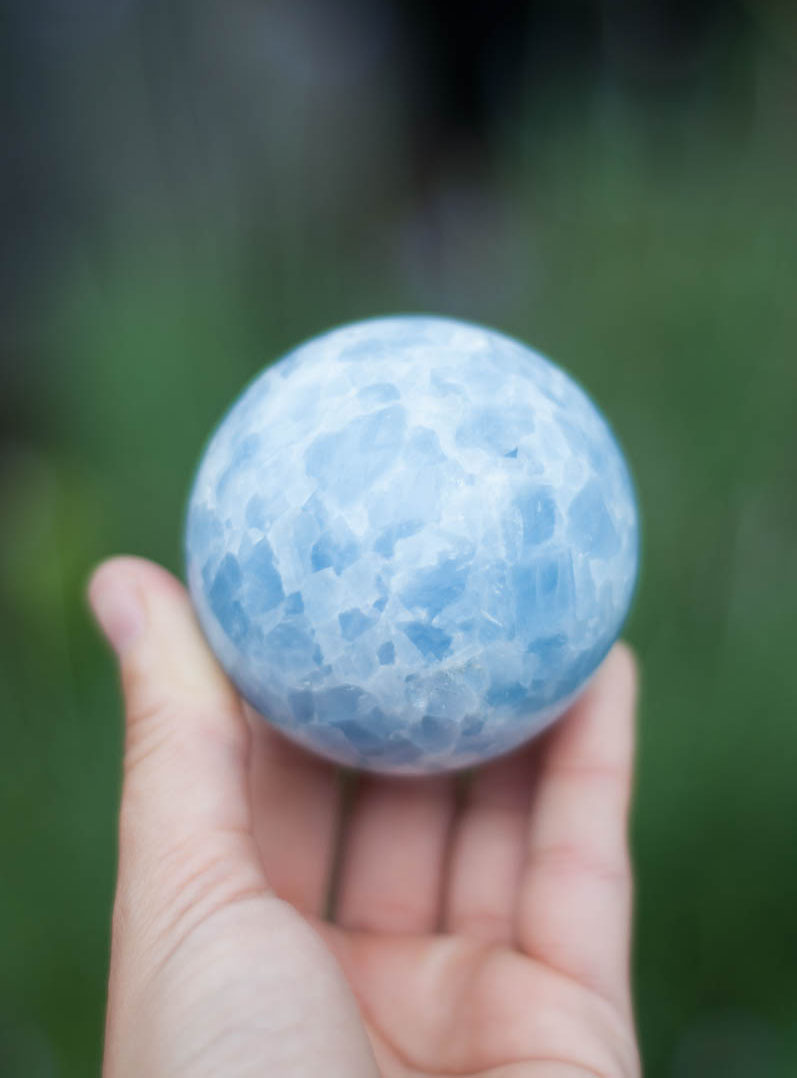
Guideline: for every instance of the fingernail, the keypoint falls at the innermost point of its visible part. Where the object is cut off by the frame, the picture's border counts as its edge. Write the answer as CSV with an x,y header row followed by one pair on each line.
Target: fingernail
x,y
118,608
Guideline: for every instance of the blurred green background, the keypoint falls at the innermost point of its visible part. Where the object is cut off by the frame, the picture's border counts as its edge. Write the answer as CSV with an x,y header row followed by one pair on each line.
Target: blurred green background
x,y
191,189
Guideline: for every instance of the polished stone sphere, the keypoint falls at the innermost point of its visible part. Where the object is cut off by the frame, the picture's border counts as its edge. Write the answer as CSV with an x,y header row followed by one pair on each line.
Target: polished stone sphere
x,y
411,542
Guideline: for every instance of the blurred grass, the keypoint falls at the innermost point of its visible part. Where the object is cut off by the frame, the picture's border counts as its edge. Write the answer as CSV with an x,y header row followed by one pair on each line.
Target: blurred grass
x,y
652,255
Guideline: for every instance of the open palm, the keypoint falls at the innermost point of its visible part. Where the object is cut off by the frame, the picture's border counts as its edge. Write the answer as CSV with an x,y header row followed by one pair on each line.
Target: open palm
x,y
262,926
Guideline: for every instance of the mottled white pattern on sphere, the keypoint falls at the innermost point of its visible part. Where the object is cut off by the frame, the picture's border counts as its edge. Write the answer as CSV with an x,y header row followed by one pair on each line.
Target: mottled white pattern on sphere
x,y
411,542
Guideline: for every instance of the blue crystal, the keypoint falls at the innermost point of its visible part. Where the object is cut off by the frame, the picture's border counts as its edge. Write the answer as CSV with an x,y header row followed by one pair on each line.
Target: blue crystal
x,y
411,542
265,584
338,550
353,623
433,643
386,653
434,589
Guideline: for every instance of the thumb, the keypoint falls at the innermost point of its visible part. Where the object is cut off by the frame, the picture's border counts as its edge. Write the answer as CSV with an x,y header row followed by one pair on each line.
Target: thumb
x,y
244,993
185,835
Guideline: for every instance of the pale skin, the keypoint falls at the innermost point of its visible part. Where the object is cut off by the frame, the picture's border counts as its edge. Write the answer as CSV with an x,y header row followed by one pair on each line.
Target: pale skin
x,y
490,940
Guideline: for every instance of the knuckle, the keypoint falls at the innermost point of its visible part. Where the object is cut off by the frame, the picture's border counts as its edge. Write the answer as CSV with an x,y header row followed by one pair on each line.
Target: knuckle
x,y
198,883
160,728
573,859
486,924
168,899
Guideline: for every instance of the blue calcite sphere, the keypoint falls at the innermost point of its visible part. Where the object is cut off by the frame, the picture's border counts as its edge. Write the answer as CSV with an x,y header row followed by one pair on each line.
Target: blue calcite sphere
x,y
411,542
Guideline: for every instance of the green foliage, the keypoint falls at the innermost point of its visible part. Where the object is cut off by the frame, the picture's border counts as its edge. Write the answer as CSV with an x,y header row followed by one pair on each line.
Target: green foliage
x,y
654,258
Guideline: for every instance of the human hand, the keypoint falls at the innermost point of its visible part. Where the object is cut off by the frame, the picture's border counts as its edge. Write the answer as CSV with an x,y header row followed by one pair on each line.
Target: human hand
x,y
492,942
